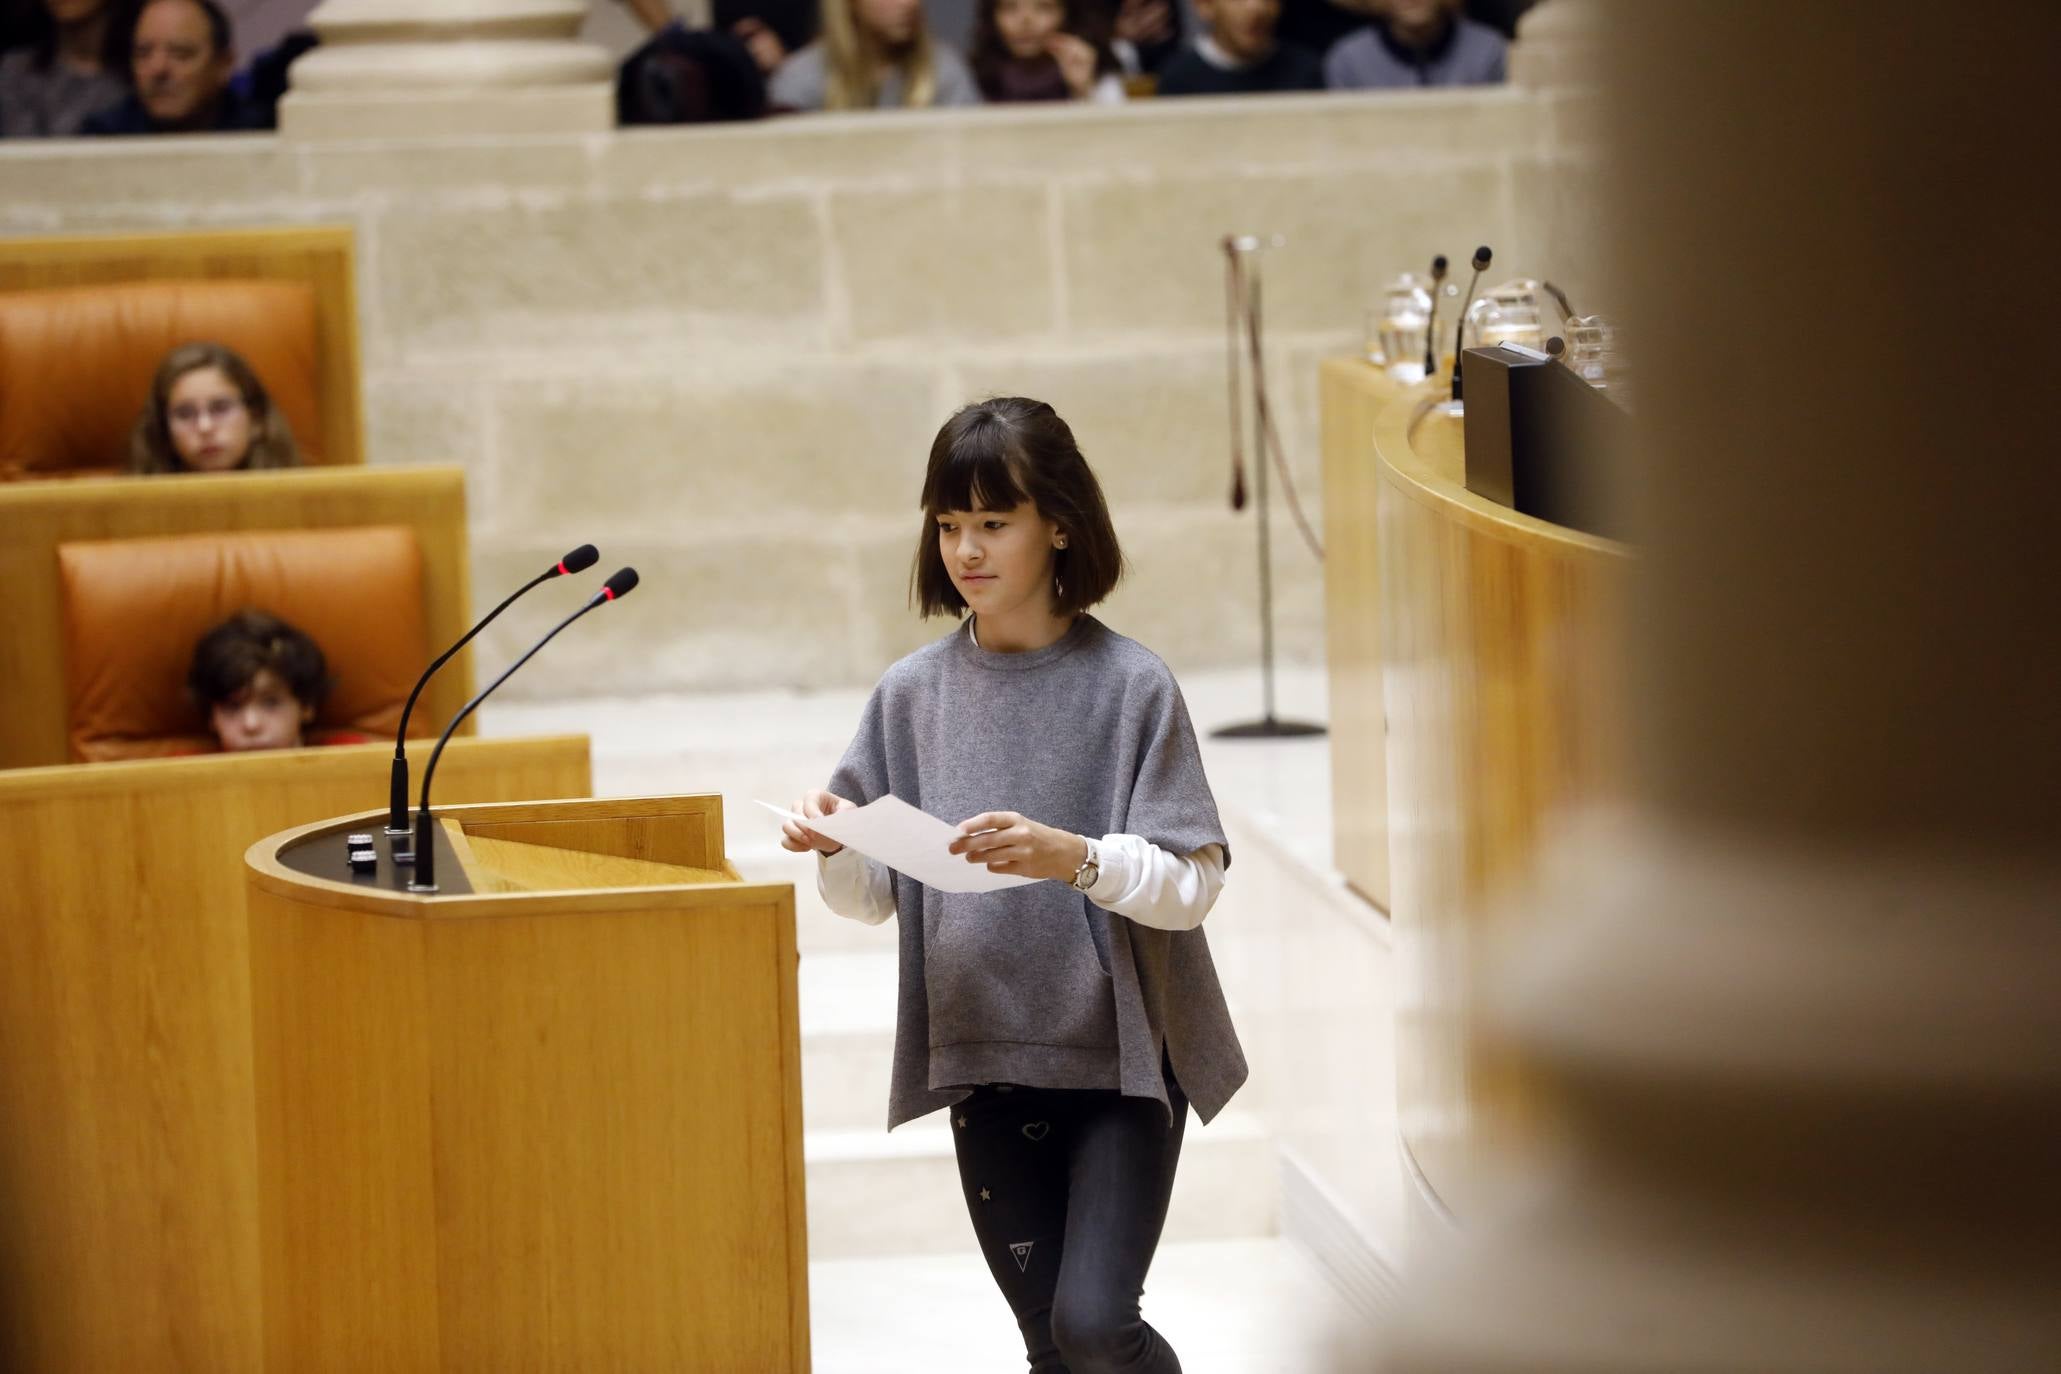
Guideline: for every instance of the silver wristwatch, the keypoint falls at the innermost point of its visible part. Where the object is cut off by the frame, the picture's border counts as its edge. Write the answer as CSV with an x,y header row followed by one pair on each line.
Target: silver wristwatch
x,y
1085,876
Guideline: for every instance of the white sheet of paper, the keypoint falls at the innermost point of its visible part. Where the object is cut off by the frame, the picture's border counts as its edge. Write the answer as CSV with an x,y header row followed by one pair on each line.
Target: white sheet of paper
x,y
909,841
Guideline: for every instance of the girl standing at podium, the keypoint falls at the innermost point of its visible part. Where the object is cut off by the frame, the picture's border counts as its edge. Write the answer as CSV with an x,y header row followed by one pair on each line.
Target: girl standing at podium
x,y
1066,1025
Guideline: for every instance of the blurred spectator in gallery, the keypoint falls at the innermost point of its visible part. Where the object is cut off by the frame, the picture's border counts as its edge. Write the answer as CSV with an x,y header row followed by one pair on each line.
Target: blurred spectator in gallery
x,y
261,682
694,76
1037,50
1239,54
1318,24
208,412
1416,43
770,29
1143,34
263,84
873,54
181,58
73,66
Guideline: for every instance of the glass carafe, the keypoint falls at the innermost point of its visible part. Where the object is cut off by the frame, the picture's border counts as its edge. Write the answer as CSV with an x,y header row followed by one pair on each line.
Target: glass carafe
x,y
1396,329
1508,313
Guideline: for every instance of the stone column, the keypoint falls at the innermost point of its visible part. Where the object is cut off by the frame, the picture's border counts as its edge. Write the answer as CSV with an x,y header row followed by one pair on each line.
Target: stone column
x,y
431,68
1800,1017
1558,42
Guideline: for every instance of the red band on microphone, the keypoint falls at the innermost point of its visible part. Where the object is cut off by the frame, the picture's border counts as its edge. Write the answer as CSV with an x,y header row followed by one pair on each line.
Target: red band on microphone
x,y
561,569
608,592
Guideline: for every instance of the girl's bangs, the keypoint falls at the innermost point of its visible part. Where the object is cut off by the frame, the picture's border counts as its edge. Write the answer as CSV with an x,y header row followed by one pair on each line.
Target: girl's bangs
x,y
979,473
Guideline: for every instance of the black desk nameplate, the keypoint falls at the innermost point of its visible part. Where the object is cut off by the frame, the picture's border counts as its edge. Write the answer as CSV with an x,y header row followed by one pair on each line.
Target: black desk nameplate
x,y
1543,442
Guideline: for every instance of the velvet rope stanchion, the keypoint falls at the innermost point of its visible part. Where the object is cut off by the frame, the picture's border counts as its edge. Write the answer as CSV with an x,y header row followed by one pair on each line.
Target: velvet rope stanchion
x,y
1244,318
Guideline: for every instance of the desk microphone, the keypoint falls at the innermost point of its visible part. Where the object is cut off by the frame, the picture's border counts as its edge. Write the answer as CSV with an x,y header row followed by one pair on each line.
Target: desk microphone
x,y
1438,279
1481,260
1559,299
579,560
619,585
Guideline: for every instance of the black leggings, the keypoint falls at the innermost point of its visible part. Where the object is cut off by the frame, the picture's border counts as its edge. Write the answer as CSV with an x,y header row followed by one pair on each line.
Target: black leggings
x,y
1068,1191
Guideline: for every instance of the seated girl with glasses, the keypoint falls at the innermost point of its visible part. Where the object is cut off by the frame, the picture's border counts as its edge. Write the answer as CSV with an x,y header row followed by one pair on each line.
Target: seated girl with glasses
x,y
208,412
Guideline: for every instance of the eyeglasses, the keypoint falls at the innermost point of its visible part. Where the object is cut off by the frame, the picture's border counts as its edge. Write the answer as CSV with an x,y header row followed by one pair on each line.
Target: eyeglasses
x,y
218,410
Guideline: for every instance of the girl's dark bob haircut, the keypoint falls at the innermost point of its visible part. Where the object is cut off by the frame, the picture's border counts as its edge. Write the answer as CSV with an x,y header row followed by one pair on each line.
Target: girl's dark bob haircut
x,y
995,455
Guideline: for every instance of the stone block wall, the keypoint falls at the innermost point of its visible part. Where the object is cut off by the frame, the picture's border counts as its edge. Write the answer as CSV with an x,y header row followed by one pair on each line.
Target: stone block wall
x,y
721,353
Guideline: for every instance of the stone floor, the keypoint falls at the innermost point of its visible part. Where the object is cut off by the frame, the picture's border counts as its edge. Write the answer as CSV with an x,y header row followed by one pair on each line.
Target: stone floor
x,y
895,1283
1255,1306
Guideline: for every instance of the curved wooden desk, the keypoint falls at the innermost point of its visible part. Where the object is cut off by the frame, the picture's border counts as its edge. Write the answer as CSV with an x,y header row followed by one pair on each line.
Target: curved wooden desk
x,y
1503,679
547,1118
1353,393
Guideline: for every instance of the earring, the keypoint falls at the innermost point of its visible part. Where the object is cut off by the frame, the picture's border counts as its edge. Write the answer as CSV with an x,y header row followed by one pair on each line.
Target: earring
x,y
1060,542
1058,589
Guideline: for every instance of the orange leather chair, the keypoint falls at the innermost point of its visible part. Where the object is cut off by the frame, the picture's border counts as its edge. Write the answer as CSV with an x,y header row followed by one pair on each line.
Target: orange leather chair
x,y
76,363
134,608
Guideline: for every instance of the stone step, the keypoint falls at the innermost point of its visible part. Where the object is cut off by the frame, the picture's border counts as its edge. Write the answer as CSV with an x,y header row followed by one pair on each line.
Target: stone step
x,y
847,1036
875,1193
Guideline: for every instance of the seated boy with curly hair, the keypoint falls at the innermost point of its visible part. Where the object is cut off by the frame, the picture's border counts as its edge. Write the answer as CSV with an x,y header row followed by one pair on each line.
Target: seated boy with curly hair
x,y
261,681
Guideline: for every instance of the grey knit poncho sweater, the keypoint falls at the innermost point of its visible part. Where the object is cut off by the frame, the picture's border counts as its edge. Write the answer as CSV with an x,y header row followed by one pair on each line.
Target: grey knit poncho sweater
x,y
1036,985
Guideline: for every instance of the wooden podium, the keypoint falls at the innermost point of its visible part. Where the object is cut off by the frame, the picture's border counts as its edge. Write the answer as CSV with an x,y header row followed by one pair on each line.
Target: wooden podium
x,y
548,1118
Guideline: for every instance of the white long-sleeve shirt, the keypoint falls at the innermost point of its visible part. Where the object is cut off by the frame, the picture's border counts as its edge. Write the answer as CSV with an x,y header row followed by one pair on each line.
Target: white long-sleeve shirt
x,y
1152,886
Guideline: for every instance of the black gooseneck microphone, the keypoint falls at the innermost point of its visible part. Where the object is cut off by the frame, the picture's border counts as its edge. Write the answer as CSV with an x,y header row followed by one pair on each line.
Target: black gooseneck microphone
x,y
1438,279
1559,299
579,560
619,585
1481,260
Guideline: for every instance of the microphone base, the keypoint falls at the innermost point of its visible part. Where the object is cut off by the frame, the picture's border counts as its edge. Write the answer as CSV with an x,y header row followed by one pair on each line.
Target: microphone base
x,y
424,888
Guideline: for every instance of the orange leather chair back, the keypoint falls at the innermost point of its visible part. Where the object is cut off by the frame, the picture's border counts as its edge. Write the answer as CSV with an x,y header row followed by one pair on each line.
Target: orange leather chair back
x,y
76,363
134,608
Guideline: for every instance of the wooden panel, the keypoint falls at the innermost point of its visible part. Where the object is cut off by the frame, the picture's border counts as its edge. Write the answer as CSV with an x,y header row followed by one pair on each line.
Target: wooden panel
x,y
1352,393
351,997
38,516
613,1082
1503,645
128,1156
320,255
687,831
513,866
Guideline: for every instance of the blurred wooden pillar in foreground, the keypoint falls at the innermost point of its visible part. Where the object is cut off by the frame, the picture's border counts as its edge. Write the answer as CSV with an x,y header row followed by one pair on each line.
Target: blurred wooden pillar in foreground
x,y
1802,1014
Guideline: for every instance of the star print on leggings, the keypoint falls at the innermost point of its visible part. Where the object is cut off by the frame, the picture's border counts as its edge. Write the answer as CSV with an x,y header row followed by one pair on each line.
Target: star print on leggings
x,y
985,1196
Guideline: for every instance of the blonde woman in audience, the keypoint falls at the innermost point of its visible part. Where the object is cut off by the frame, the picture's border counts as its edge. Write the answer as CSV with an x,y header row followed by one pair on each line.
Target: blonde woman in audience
x,y
873,55
208,412
1041,50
